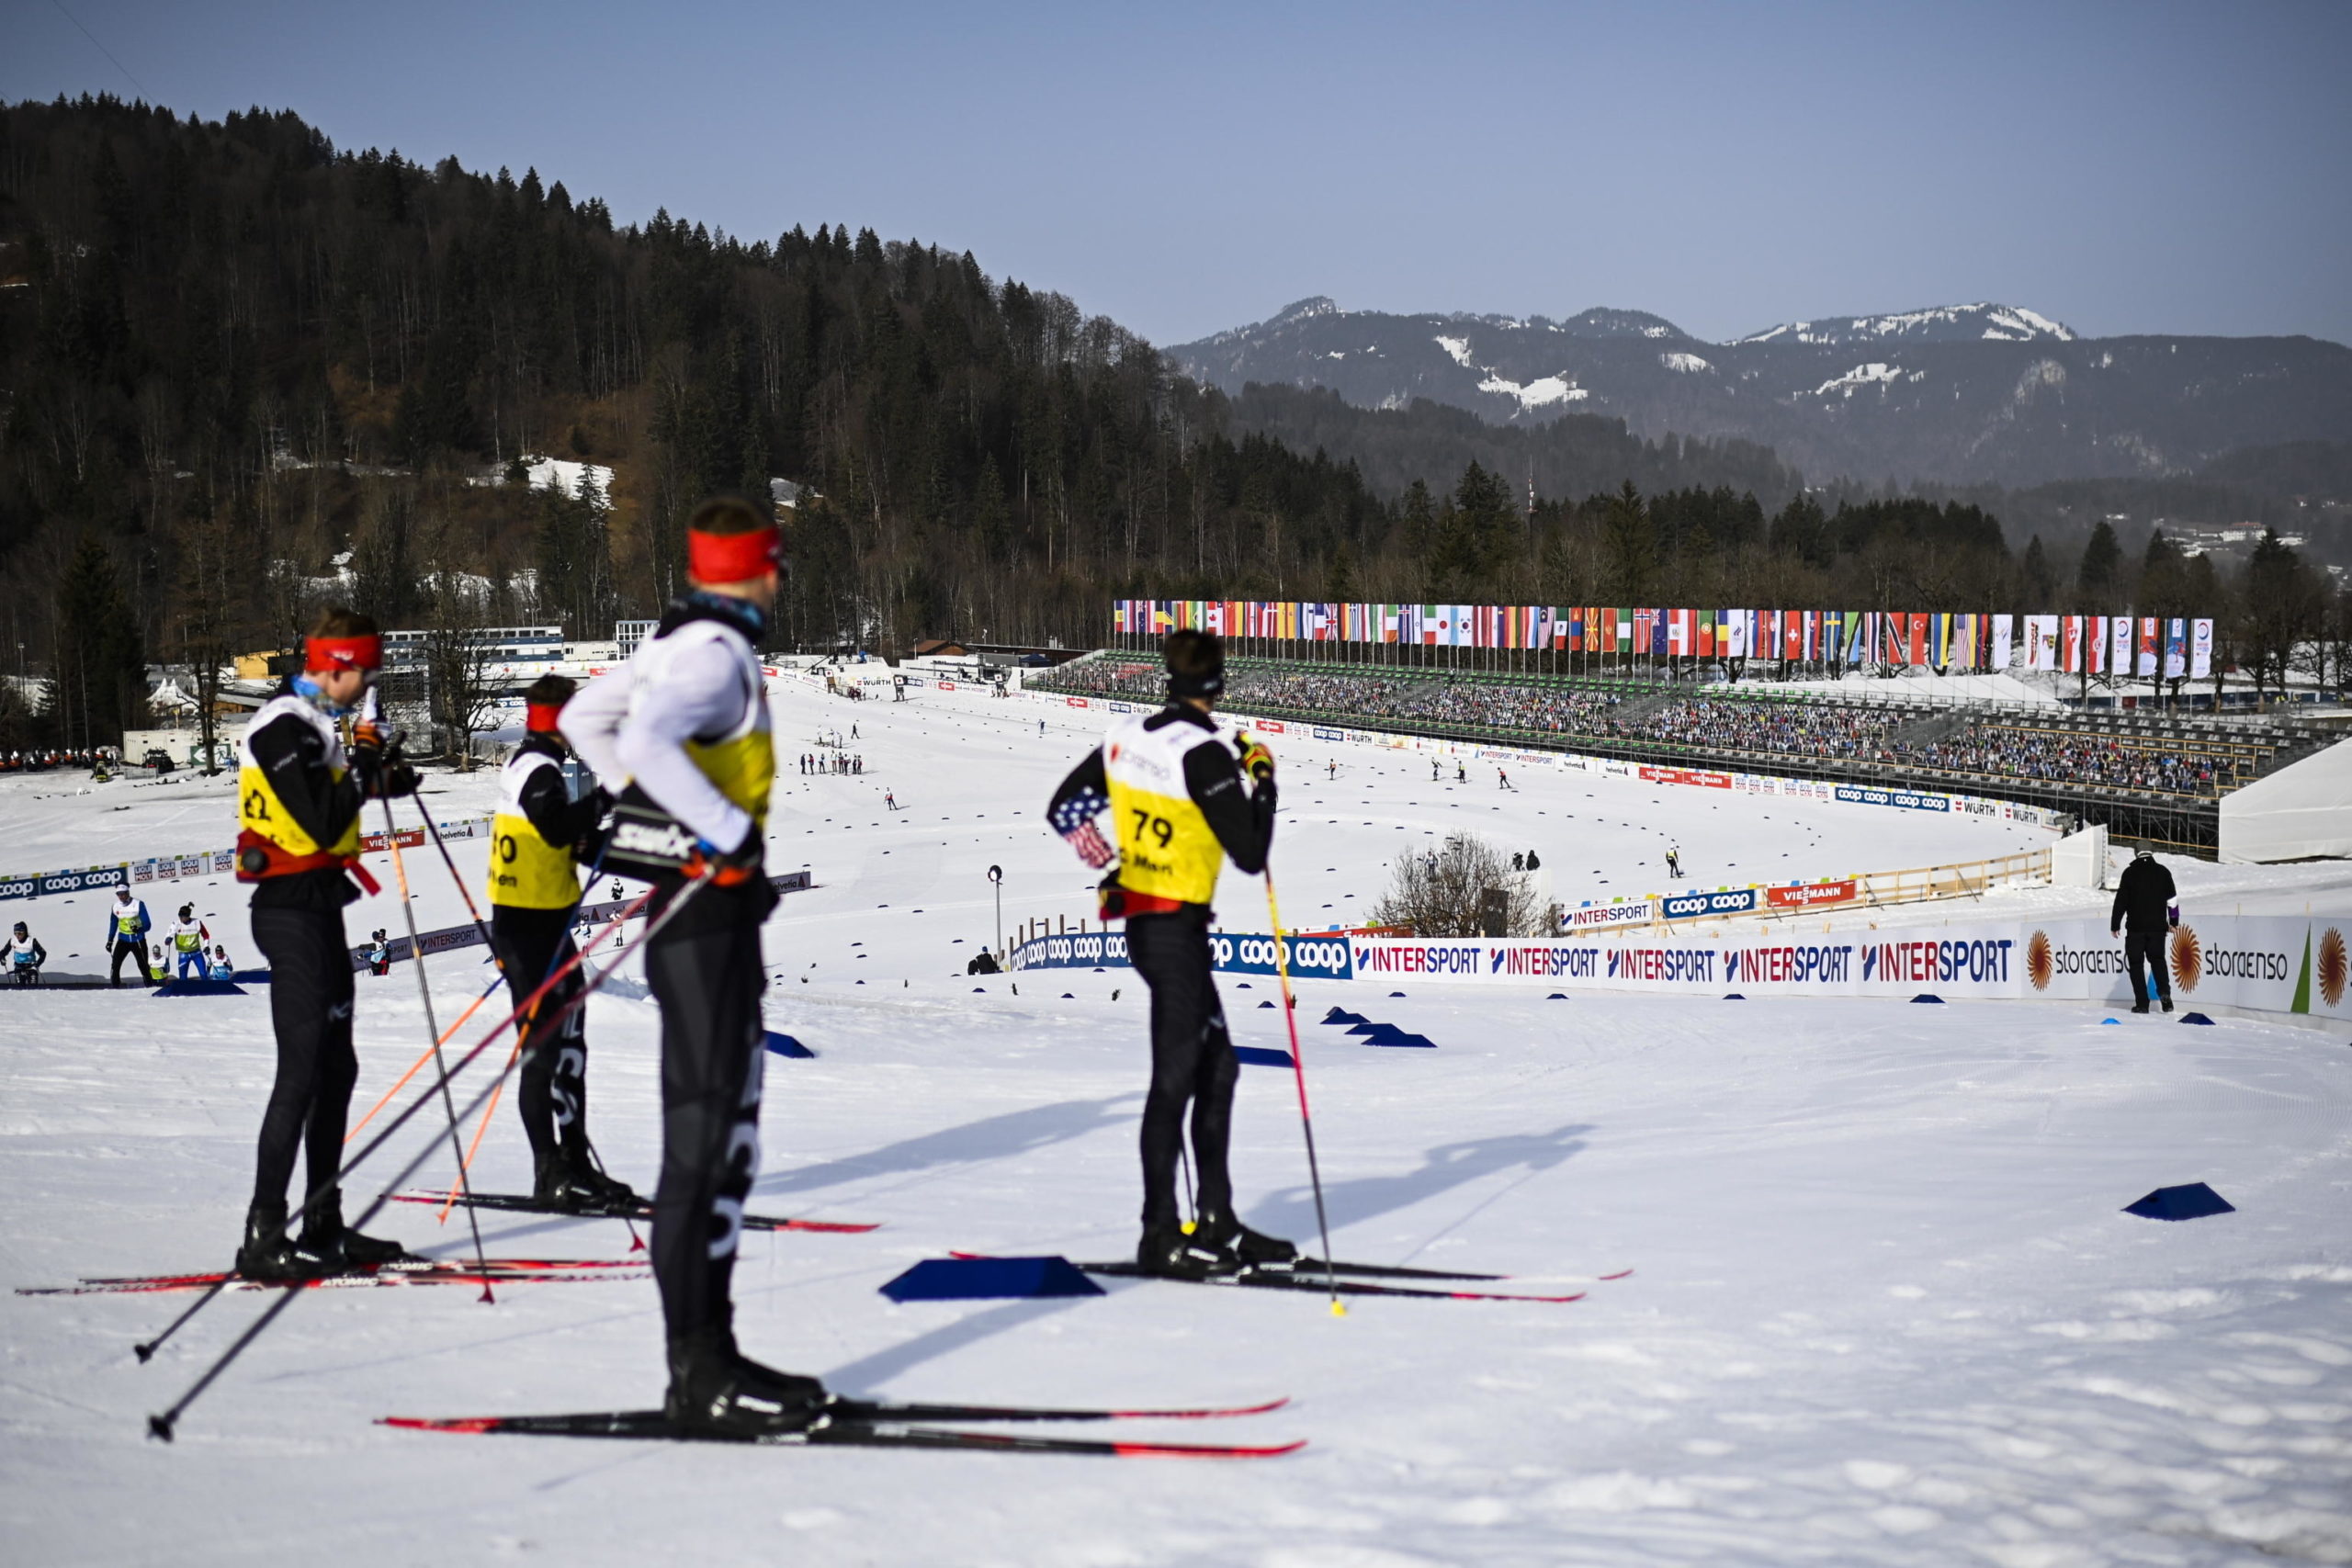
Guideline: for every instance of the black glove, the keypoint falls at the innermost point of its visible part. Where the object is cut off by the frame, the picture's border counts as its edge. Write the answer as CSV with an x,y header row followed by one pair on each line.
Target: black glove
x,y
377,763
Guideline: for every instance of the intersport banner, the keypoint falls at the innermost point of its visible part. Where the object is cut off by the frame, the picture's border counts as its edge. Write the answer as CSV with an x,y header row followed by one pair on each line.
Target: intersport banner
x,y
2269,964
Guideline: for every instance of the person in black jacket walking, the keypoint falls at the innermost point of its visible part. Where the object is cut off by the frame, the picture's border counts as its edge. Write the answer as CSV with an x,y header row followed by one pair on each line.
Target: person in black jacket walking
x,y
2144,912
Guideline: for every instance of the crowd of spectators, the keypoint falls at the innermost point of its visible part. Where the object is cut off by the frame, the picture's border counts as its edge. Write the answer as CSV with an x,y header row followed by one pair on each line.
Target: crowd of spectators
x,y
1723,727
2081,758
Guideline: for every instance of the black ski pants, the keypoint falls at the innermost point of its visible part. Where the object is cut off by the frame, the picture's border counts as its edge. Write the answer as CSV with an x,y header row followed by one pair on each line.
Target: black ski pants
x,y
2143,952
310,1009
552,1093
708,981
134,948
1191,1060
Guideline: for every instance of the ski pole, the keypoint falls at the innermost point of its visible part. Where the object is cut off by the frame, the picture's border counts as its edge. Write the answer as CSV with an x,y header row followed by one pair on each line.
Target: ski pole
x,y
1298,1065
425,990
162,1425
148,1350
522,1030
456,1024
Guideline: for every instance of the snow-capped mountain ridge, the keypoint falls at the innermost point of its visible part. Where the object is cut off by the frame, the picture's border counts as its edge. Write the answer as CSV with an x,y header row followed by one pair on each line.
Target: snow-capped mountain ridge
x,y
1983,321
1983,393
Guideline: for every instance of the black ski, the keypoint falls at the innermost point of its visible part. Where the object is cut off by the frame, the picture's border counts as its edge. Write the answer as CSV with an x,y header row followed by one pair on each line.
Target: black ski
x,y
518,1202
1253,1278
833,1432
1317,1266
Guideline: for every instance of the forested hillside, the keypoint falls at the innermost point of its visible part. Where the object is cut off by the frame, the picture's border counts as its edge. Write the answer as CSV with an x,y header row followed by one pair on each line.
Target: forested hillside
x,y
242,371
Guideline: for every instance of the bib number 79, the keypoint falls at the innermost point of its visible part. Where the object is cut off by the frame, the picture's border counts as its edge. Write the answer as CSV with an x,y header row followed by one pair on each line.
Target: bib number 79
x,y
1148,826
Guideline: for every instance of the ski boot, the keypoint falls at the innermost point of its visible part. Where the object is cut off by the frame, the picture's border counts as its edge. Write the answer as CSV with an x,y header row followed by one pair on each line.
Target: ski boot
x,y
337,1247
2139,1006
1167,1251
268,1253
716,1390
569,1182
2168,1003
1254,1248
601,1192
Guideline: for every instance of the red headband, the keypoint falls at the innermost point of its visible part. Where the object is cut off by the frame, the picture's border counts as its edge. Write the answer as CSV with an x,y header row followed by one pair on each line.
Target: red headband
x,y
321,655
540,717
734,557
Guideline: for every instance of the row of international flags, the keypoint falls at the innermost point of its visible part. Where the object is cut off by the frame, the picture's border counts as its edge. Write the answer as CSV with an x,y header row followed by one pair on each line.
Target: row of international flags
x,y
2096,645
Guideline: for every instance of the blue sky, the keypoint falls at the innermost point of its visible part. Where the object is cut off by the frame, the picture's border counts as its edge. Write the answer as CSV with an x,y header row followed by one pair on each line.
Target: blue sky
x,y
2124,167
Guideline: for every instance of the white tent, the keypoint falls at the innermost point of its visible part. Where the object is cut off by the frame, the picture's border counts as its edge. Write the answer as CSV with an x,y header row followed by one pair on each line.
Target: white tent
x,y
2298,813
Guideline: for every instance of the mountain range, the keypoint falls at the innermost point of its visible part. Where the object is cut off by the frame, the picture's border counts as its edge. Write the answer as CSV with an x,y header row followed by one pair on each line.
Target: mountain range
x,y
1959,394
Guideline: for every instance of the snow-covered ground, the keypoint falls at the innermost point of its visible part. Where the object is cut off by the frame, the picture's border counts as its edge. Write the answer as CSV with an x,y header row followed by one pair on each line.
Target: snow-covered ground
x,y
1885,1306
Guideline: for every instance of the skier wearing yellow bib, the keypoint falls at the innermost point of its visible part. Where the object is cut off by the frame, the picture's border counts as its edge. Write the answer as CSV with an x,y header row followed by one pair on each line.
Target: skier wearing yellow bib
x,y
300,787
537,840
1178,791
682,732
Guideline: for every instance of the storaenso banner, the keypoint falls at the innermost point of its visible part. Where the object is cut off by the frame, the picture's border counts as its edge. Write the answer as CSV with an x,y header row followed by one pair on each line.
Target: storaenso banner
x,y
1236,953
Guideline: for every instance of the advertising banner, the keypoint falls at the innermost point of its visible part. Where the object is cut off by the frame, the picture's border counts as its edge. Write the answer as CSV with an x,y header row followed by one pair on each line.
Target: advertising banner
x,y
1607,917
1696,906
1808,895
1310,957
1908,799
2297,965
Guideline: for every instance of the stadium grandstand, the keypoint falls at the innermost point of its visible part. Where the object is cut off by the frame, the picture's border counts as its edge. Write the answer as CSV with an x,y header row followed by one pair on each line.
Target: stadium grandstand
x,y
2142,772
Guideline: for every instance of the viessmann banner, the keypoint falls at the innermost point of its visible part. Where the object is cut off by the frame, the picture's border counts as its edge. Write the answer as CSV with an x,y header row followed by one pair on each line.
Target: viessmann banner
x,y
2286,964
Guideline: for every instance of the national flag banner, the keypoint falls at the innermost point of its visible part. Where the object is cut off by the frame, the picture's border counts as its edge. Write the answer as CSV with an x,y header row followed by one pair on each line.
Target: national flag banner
x,y
2146,658
2176,649
1963,640
2070,644
2200,649
2004,640
1792,634
1642,630
1861,632
2118,645
1918,635
1236,610
1677,637
2095,645
1706,649
1826,645
1733,643
1212,616
1536,626
1391,623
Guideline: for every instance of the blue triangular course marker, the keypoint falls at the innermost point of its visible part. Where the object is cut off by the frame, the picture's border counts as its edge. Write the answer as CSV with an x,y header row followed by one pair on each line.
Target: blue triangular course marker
x,y
2114,1021
1389,1035
2196,1018
1067,997
1262,1056
1558,996
1928,996
1396,993
786,1045
1243,987
2193,1202
989,1279
199,988
1734,997
1341,1015
1265,1004
979,990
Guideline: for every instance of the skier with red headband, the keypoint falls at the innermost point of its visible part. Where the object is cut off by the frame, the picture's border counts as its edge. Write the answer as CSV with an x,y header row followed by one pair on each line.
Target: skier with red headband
x,y
301,784
537,840
683,733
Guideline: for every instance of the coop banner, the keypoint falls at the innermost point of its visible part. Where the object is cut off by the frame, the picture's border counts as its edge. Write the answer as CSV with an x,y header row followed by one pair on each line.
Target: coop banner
x,y
1324,957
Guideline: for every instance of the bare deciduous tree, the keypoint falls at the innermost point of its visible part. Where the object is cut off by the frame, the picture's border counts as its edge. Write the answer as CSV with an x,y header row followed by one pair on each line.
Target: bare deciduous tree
x,y
1443,892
